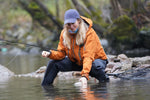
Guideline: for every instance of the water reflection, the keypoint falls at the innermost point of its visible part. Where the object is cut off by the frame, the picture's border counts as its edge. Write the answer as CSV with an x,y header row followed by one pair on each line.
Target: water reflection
x,y
27,88
95,92
23,63
70,92
131,90
21,89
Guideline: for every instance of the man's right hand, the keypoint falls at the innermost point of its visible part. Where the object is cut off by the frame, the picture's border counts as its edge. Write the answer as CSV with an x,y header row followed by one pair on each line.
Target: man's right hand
x,y
45,53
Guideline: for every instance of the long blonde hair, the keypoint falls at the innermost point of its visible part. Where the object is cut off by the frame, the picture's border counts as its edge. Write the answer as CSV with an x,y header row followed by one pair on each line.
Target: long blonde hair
x,y
80,37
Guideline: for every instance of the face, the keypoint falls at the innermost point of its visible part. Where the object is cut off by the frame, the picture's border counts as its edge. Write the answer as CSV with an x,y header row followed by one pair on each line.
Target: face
x,y
73,26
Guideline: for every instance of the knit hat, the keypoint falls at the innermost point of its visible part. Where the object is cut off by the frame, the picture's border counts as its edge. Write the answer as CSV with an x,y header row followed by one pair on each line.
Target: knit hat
x,y
71,16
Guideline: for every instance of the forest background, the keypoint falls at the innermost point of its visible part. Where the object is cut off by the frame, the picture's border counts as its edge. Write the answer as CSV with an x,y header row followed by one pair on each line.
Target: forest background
x,y
122,25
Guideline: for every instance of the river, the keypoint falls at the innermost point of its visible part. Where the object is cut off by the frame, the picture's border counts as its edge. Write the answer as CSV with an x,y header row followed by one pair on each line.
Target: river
x,y
27,88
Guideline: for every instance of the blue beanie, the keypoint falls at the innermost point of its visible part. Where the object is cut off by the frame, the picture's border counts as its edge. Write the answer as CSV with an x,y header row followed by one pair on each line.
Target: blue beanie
x,y
71,16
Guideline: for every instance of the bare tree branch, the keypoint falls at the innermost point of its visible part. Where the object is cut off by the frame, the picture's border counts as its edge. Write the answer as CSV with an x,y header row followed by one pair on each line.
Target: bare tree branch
x,y
82,10
98,28
44,8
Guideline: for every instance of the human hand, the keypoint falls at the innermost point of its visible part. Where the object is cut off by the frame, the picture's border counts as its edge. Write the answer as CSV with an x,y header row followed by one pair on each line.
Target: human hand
x,y
83,81
45,53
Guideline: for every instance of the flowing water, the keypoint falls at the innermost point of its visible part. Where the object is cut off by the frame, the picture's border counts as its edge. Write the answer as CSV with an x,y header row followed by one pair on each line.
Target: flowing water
x,y
27,88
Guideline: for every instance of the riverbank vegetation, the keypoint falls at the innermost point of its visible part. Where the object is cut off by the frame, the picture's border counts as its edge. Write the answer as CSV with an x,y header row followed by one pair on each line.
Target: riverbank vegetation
x,y
125,24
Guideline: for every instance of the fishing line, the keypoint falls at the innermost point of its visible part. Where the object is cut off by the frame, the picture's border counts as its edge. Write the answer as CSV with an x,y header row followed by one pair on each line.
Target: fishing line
x,y
31,45
12,59
12,42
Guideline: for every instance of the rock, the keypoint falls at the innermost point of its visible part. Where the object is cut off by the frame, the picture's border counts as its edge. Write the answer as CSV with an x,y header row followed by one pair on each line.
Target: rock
x,y
132,68
110,65
111,58
65,75
116,66
5,73
120,62
113,67
138,61
39,73
77,73
122,57
145,66
19,33
41,69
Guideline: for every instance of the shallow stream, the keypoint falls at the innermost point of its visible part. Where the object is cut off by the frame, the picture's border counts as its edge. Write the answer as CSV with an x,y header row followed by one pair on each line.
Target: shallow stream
x,y
27,88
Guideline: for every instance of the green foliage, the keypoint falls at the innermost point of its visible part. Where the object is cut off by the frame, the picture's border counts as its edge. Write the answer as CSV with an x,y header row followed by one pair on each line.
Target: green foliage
x,y
38,14
123,29
33,6
68,4
135,5
145,29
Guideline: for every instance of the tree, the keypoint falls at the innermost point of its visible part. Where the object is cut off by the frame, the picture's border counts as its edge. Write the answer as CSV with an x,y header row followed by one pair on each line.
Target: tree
x,y
43,15
116,9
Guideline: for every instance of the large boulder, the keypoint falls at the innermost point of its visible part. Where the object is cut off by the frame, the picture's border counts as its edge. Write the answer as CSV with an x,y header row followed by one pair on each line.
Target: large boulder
x,y
138,61
5,73
128,68
39,73
122,34
118,64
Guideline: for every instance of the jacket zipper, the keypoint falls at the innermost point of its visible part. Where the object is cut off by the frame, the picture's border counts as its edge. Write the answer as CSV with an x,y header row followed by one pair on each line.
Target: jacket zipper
x,y
73,50
79,53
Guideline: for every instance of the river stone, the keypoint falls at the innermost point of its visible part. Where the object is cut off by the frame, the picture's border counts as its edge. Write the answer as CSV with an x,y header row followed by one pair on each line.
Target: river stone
x,y
5,73
138,61
122,57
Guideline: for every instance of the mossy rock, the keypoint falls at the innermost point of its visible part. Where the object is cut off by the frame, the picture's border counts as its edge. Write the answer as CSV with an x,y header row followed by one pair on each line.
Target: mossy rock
x,y
145,38
123,31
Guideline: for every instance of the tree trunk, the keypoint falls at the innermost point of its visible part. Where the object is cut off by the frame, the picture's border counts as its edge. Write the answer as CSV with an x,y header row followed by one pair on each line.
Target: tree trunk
x,y
57,8
90,11
133,5
42,15
116,9
83,11
89,5
47,12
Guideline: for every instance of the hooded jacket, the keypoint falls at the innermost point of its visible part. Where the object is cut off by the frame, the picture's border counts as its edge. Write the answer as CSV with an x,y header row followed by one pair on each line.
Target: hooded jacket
x,y
82,55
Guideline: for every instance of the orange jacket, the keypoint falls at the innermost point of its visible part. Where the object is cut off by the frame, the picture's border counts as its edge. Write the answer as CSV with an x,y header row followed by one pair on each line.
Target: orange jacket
x,y
82,55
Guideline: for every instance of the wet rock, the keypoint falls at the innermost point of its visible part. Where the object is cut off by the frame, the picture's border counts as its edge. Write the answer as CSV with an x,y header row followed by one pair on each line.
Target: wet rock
x,y
111,58
131,68
5,73
114,67
138,61
122,57
39,73
124,64
118,63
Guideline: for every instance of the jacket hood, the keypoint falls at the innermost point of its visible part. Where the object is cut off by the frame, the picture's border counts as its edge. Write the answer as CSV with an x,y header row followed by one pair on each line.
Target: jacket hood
x,y
88,21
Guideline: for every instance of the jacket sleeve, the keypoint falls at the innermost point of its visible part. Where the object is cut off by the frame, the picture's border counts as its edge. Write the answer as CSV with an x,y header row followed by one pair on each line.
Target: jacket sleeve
x,y
60,52
89,53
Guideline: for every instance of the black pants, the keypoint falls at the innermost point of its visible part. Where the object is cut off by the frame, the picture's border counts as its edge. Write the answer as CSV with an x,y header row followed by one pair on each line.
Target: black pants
x,y
54,66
